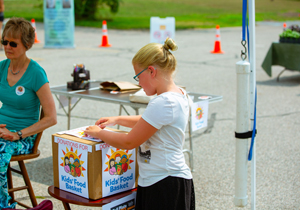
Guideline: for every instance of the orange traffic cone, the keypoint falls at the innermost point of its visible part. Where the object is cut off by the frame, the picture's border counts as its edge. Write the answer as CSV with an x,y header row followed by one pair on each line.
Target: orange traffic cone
x,y
104,35
217,41
33,25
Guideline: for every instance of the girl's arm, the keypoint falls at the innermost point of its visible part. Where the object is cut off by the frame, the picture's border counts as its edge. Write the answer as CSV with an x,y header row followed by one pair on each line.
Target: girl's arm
x,y
140,133
126,121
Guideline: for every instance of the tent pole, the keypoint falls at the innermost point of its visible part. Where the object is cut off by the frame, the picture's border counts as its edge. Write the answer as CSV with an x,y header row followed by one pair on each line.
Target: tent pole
x,y
251,6
242,126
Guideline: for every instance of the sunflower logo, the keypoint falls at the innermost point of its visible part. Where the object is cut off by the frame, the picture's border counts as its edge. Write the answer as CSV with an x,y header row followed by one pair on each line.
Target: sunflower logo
x,y
72,163
20,90
199,113
118,161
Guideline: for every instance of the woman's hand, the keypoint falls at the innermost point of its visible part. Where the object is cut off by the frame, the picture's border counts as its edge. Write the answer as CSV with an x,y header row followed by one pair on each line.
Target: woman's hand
x,y
92,131
7,135
106,121
2,126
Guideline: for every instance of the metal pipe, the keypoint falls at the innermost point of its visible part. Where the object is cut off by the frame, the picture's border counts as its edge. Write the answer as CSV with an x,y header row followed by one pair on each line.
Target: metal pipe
x,y
251,6
242,126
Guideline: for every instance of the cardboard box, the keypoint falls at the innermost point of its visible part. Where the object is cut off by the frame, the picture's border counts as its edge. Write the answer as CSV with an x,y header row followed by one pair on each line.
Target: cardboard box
x,y
91,169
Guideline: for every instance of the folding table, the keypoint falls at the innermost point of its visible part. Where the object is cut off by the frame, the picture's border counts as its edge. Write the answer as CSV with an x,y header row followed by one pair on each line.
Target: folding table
x,y
96,93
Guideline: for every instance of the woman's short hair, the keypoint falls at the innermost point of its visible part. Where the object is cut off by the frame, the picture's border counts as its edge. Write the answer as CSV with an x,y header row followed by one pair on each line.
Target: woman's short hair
x,y
20,28
157,54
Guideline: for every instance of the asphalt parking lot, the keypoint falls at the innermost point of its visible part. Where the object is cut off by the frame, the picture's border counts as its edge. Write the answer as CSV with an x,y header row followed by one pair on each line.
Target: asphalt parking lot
x,y
278,110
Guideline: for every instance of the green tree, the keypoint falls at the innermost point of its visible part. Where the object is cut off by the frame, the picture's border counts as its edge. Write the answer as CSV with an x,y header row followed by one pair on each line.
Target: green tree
x,y
86,9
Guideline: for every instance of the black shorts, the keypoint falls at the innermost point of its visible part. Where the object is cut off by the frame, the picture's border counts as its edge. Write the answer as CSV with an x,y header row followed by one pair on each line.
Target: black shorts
x,y
171,193
1,18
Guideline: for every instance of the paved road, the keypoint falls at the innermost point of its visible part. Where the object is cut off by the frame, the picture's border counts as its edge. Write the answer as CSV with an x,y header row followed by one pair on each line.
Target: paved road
x,y
278,120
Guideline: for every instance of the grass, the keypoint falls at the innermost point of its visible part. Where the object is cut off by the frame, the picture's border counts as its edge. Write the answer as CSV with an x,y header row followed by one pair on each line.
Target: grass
x,y
135,14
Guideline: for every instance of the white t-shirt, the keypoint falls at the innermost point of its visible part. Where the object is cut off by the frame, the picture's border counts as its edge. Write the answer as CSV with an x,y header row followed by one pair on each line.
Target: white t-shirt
x,y
162,155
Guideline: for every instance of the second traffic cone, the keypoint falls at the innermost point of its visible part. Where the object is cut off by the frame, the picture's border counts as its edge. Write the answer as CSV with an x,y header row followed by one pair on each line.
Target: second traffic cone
x,y
284,26
33,25
217,48
104,35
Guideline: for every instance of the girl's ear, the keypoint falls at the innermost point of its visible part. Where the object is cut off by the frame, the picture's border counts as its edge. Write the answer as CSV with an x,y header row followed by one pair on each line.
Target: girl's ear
x,y
153,71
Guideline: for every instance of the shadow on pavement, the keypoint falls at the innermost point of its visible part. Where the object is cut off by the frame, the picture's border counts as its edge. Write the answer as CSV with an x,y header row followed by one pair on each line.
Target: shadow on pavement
x,y
39,170
288,81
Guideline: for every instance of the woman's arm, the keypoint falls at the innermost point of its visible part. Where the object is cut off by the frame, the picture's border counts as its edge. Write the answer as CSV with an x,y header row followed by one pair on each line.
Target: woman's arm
x,y
140,133
48,105
1,5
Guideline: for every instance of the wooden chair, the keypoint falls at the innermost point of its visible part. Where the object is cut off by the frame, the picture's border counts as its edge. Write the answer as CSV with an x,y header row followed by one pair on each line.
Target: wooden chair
x,y
44,205
20,158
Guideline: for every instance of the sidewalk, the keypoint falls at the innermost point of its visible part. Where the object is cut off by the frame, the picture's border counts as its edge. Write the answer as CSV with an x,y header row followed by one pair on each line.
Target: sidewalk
x,y
278,110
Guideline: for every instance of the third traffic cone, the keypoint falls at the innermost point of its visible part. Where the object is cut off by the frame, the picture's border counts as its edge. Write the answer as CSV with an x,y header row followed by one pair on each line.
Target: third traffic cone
x,y
217,48
33,25
104,35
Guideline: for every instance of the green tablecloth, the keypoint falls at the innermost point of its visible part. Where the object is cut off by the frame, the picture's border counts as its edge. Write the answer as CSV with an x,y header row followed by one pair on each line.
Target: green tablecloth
x,y
283,54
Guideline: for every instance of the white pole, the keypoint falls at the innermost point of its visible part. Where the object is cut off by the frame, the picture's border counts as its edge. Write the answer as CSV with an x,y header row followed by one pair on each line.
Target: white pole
x,y
242,126
251,5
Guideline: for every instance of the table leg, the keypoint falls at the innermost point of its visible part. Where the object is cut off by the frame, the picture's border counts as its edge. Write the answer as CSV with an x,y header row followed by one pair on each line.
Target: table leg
x,y
69,112
137,111
66,206
280,74
120,112
191,146
190,150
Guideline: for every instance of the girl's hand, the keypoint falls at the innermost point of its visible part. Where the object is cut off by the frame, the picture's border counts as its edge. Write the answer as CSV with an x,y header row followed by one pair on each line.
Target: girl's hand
x,y
106,121
92,131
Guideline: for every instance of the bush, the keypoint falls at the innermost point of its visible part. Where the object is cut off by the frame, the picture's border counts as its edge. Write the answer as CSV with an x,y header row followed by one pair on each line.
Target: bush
x,y
86,9
288,33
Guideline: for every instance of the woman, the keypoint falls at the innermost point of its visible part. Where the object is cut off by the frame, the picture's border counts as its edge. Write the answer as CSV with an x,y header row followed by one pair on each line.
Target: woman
x,y
159,132
23,88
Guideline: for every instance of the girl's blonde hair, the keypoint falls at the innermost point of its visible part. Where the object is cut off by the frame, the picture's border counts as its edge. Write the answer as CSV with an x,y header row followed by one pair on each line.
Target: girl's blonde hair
x,y
157,54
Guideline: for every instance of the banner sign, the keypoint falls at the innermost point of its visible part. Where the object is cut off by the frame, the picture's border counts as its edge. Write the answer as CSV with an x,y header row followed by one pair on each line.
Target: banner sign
x,y
101,146
161,28
118,170
72,164
59,23
125,203
199,114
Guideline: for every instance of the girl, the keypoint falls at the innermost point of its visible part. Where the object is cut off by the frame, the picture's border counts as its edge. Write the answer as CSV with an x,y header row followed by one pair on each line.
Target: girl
x,y
165,181
112,170
67,164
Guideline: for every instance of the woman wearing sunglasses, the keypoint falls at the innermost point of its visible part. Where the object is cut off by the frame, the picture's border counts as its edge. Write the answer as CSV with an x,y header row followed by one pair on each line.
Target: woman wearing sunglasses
x,y
23,88
159,132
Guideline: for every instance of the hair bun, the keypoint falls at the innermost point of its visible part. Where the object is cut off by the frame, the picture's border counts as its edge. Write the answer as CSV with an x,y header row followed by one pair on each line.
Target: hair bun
x,y
170,44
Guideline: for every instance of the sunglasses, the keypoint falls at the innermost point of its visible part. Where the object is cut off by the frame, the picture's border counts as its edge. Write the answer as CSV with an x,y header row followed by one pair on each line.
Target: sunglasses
x,y
12,44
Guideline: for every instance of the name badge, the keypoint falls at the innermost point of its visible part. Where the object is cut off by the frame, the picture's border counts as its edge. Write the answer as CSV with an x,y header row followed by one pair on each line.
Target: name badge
x,y
20,90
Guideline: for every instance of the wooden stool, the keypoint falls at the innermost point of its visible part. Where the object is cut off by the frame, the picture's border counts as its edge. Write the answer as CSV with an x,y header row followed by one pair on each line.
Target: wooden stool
x,y
23,172
67,197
